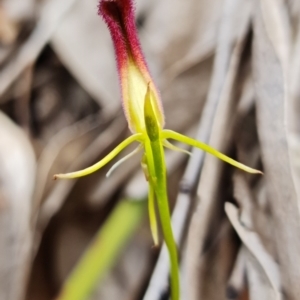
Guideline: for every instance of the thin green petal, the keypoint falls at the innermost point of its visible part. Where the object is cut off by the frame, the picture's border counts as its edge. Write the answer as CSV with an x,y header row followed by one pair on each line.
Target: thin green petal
x,y
103,161
169,134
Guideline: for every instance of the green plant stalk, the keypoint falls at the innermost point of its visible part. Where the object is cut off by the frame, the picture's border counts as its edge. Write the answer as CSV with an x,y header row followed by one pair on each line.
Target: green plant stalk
x,y
154,153
101,255
164,213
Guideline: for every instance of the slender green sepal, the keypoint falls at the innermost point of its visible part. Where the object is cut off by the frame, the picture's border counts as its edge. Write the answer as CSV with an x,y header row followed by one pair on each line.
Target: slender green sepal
x,y
170,146
103,161
169,134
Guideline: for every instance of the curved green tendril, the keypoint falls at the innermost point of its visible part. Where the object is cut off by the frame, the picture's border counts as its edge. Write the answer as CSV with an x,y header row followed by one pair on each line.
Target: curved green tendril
x,y
102,162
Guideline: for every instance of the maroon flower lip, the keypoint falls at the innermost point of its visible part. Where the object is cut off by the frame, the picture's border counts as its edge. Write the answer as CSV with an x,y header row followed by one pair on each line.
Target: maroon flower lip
x,y
119,17
132,68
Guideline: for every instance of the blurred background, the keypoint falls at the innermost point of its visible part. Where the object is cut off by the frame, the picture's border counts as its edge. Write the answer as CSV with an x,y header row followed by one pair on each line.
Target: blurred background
x,y
229,73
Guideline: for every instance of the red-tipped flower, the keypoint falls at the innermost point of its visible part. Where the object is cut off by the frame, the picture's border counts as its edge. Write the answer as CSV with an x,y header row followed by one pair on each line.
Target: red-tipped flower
x,y
145,118
133,71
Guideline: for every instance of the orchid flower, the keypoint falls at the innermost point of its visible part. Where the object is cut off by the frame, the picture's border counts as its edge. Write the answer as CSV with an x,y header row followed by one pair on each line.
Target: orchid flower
x,y
144,113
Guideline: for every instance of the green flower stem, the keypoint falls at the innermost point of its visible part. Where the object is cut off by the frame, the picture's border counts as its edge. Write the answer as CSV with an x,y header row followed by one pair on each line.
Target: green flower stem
x,y
103,252
153,144
160,187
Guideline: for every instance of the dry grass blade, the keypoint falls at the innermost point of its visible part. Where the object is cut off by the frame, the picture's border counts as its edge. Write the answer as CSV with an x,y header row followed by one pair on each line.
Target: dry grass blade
x,y
270,96
293,111
258,285
268,268
17,180
243,195
236,282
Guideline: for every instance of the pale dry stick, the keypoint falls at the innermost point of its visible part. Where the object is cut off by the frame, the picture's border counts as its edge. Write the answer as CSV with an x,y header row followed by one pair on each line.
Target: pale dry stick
x,y
293,112
253,244
242,194
248,214
17,181
257,283
24,87
158,285
277,28
294,96
52,13
236,282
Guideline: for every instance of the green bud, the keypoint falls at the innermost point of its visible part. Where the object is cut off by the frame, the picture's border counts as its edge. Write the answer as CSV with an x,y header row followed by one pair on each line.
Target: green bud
x,y
151,121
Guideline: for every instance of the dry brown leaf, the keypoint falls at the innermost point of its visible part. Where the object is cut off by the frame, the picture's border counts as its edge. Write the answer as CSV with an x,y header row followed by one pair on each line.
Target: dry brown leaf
x,y
270,100
258,285
236,283
264,266
17,181
83,44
